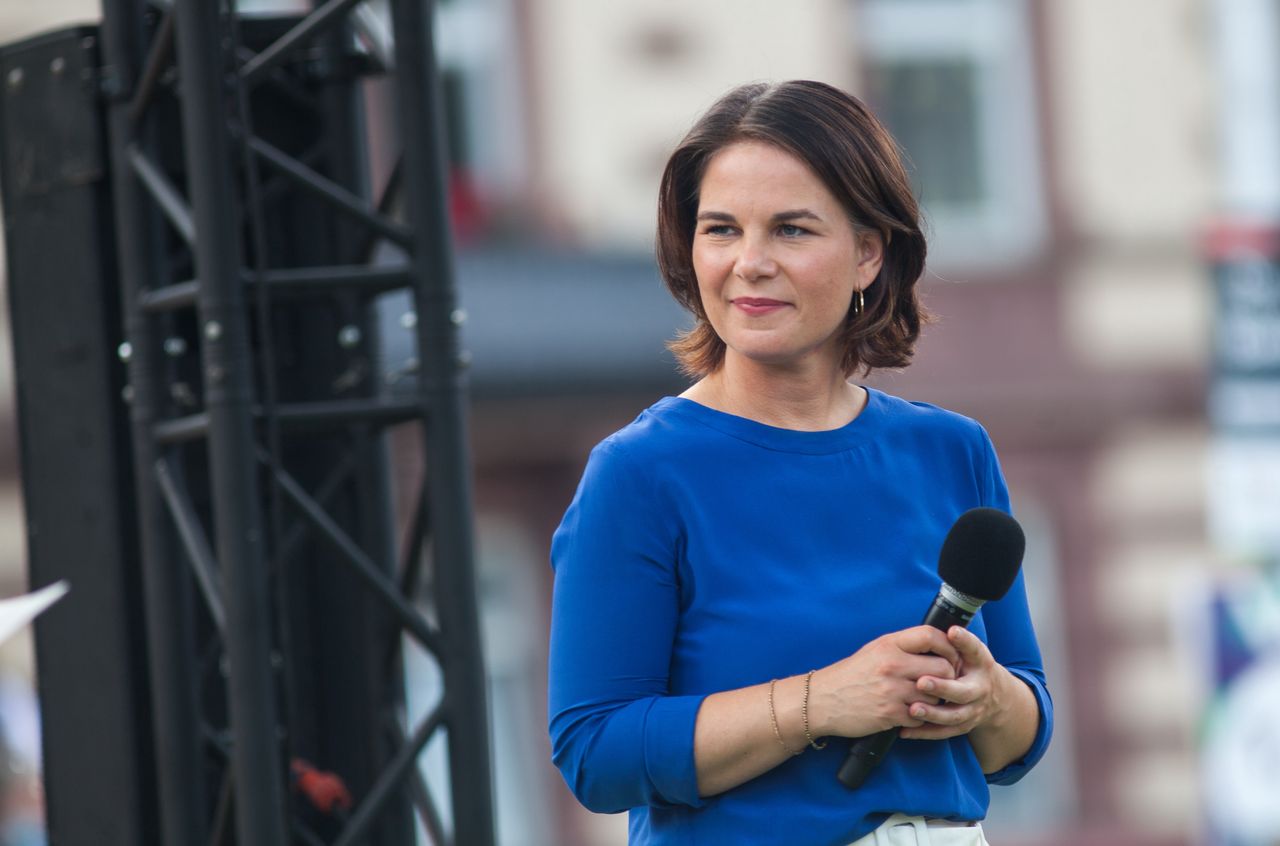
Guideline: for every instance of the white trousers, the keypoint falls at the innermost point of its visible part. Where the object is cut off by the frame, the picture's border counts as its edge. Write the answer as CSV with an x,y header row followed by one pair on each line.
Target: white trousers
x,y
902,830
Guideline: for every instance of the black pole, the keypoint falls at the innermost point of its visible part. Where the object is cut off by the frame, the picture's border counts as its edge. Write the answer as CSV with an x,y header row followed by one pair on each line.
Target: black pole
x,y
443,395
228,383
170,638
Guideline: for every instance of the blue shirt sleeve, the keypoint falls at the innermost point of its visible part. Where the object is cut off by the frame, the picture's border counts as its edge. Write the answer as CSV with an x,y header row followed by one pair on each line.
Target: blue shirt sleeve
x,y
1010,635
618,738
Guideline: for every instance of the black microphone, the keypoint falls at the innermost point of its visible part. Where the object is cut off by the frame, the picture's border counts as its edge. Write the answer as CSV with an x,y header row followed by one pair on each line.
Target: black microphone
x,y
978,563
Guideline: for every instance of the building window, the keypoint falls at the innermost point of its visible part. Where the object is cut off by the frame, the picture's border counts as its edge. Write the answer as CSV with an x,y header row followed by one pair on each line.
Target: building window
x,y
932,107
953,79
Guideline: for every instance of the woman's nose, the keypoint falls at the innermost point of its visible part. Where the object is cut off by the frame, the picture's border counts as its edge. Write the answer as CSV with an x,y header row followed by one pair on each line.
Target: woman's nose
x,y
754,260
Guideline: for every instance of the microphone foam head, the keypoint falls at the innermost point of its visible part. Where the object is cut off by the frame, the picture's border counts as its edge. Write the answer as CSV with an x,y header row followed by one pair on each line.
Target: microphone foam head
x,y
982,553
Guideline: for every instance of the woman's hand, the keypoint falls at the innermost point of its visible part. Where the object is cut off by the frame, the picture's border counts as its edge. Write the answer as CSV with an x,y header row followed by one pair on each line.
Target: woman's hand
x,y
877,687
987,702
972,698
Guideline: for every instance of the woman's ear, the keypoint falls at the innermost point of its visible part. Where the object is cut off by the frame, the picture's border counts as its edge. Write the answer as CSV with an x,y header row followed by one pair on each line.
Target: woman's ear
x,y
870,257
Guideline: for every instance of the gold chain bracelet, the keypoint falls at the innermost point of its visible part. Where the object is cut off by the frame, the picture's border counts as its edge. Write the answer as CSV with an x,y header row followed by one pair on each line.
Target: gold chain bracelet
x,y
773,719
804,713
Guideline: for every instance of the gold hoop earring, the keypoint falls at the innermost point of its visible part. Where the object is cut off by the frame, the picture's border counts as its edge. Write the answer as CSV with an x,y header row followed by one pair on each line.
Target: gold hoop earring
x,y
860,307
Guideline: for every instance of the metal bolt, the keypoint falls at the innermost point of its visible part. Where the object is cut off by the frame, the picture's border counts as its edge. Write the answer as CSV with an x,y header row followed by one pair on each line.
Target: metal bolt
x,y
183,395
464,359
349,336
213,330
458,316
57,66
350,377
15,79
409,319
214,374
175,346
410,366
126,394
125,352
277,660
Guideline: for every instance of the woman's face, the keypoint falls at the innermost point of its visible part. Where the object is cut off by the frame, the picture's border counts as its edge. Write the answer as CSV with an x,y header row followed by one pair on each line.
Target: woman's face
x,y
776,258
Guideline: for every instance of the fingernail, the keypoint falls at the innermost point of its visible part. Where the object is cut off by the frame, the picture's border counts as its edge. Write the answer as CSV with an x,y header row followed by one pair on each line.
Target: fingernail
x,y
928,685
917,712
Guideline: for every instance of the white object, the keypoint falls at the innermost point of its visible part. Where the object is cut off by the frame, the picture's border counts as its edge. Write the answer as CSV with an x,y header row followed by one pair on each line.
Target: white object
x,y
1242,758
20,610
1244,495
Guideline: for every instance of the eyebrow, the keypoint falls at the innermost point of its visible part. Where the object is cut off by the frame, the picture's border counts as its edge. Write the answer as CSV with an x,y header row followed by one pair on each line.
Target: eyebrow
x,y
780,217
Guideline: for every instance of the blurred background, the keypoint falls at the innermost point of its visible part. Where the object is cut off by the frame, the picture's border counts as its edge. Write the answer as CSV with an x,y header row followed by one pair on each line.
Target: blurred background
x,y
1101,186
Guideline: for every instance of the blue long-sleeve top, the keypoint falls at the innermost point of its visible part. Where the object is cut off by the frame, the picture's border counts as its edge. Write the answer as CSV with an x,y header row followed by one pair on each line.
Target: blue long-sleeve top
x,y
706,552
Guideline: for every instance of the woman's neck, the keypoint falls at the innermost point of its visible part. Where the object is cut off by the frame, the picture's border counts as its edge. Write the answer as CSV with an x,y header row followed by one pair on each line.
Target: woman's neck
x,y
810,399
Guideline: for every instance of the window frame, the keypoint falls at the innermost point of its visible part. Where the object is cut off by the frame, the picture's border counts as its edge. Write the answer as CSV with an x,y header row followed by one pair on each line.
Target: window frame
x,y
1010,226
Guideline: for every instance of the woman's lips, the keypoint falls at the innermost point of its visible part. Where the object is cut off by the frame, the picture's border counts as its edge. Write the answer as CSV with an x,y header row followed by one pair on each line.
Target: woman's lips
x,y
758,305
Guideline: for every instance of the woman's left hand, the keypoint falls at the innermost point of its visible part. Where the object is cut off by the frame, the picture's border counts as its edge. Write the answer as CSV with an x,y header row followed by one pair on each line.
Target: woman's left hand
x,y
975,698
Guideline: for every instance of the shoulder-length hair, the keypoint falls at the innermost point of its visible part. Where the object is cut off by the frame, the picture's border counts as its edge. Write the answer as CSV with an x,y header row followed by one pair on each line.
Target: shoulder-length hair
x,y
858,161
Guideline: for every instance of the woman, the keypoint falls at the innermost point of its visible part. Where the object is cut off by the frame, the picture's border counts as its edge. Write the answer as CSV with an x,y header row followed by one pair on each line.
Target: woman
x,y
738,578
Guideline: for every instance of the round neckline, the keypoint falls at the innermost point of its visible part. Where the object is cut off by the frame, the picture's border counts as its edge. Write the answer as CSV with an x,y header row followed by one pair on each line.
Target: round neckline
x,y
856,432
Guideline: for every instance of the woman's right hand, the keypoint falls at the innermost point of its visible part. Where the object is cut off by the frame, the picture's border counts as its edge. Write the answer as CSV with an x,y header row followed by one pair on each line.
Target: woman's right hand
x,y
874,688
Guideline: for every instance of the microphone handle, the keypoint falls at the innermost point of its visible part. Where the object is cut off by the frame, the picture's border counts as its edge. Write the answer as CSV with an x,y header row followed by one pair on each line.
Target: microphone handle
x,y
943,614
866,753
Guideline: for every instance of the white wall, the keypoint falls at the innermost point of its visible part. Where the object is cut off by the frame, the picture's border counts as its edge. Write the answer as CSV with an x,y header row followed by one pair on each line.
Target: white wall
x,y
618,84
1133,127
20,18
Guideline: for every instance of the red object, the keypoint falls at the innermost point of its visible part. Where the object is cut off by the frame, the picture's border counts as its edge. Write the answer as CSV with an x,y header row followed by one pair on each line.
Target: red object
x,y
467,208
322,789
1227,238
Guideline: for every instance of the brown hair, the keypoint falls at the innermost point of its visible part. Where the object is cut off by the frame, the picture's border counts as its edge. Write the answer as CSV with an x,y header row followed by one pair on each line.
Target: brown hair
x,y
858,162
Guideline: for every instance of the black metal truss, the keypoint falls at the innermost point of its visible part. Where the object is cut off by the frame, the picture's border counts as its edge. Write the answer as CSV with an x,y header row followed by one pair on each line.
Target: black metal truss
x,y
259,427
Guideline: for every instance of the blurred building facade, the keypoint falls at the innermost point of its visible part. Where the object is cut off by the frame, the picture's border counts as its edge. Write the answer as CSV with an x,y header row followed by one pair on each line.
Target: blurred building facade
x,y
1064,152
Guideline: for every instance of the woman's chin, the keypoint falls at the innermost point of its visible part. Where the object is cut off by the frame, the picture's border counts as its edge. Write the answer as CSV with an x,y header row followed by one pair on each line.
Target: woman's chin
x,y
777,357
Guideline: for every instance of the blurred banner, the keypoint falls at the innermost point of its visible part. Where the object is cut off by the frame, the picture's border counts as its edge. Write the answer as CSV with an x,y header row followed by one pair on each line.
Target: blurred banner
x,y
1244,400
1241,738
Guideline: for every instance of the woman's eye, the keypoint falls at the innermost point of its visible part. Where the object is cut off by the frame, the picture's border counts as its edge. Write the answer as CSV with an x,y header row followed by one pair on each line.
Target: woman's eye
x,y
790,230
718,229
